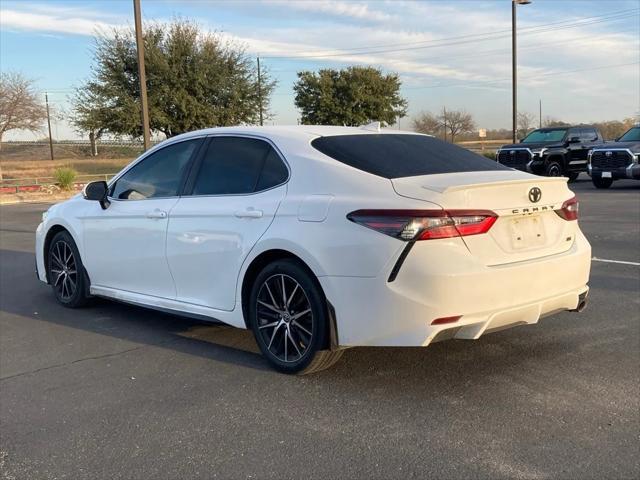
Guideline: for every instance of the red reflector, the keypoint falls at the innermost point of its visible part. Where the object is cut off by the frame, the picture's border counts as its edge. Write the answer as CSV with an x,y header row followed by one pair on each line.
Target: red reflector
x,y
440,321
569,209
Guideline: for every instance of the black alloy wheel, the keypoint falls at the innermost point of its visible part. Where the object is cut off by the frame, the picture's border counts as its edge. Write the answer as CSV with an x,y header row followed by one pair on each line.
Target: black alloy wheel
x,y
66,272
289,318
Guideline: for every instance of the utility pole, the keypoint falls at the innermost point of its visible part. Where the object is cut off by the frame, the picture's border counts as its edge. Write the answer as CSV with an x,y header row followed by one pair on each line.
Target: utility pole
x,y
444,128
141,73
260,91
514,67
540,114
46,101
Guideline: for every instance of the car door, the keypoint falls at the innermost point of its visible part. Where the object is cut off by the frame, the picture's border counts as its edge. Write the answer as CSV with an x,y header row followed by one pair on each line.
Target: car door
x,y
234,191
125,244
590,138
574,146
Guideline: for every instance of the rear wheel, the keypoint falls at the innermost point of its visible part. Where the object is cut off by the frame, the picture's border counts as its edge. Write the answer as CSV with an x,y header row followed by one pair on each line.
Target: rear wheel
x,y
289,318
66,272
553,169
600,182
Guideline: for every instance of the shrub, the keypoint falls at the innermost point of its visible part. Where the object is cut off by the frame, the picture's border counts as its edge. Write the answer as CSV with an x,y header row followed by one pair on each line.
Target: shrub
x,y
490,155
65,177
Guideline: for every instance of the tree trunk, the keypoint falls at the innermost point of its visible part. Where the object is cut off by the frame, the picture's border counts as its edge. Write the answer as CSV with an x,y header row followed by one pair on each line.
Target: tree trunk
x,y
92,140
1,178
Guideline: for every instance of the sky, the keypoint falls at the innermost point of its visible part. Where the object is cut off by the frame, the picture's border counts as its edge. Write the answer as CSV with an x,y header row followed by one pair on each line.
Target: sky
x,y
581,58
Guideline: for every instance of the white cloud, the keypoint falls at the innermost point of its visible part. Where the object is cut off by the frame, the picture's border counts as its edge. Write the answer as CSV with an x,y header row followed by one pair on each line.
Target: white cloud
x,y
353,10
42,22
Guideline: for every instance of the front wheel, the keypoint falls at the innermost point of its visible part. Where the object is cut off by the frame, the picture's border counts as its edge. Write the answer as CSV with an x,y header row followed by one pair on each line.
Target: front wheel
x,y
600,182
554,169
289,318
66,272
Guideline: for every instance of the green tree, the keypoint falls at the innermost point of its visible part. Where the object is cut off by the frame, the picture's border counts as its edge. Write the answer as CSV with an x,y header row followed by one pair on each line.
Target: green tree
x,y
352,96
194,80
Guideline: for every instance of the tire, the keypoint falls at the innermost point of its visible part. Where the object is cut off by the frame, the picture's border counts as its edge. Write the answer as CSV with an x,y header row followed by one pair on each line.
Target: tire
x,y
66,272
573,176
553,169
600,182
291,329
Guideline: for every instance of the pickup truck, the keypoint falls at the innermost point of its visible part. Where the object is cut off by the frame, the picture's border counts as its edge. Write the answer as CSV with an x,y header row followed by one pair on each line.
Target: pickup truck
x,y
616,160
552,151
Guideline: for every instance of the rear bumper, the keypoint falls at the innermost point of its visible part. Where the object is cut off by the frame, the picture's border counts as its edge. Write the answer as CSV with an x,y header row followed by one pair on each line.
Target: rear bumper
x,y
444,281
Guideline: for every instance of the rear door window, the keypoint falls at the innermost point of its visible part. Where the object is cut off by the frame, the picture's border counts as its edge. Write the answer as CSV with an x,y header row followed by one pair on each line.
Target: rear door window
x,y
402,155
588,135
238,165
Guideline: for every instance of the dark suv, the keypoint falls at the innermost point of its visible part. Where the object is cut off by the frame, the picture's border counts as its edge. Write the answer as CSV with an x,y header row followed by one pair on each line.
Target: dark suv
x,y
552,151
616,160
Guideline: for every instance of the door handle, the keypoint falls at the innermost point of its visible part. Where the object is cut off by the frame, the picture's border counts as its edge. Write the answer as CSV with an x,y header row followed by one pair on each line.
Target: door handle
x,y
249,213
157,213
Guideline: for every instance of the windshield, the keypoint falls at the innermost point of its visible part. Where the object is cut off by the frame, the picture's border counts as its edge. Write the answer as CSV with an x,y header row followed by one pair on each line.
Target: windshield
x,y
402,155
632,135
546,135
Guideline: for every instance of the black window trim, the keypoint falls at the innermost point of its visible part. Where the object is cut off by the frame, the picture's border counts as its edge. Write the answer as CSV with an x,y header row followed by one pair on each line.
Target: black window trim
x,y
189,185
148,153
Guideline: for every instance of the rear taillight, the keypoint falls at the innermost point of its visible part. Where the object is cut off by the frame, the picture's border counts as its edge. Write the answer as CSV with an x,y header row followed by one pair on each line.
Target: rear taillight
x,y
411,225
569,209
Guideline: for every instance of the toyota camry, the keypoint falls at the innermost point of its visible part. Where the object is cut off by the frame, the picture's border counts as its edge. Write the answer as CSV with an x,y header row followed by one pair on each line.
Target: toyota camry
x,y
321,238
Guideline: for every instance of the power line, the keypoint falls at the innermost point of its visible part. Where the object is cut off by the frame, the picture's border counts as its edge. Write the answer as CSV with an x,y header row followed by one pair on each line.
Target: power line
x,y
479,53
502,80
521,29
464,39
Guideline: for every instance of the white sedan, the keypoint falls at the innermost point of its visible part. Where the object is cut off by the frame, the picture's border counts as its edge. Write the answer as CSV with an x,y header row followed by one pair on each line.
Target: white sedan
x,y
321,238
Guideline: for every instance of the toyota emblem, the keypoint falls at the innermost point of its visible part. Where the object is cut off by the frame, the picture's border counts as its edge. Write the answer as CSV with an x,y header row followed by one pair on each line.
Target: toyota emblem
x,y
512,152
608,154
535,194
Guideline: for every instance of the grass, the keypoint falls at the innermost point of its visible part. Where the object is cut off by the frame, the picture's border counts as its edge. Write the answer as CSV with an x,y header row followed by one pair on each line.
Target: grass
x,y
65,177
31,169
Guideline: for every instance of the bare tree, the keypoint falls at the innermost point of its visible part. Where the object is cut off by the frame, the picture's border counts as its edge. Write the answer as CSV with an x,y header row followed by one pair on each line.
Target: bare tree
x,y
427,123
456,121
19,105
525,122
20,108
553,122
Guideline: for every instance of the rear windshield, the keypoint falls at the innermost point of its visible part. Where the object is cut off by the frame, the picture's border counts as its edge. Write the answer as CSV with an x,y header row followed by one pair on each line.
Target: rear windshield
x,y
402,155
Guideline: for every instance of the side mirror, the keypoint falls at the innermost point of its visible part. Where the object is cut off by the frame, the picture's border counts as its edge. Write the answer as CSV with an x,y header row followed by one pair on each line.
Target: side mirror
x,y
97,191
574,139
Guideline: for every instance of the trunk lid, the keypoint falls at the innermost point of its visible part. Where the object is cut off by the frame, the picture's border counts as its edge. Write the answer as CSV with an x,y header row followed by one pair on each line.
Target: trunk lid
x,y
525,229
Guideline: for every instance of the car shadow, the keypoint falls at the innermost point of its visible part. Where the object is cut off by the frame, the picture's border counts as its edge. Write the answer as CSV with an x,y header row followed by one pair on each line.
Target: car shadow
x,y
25,296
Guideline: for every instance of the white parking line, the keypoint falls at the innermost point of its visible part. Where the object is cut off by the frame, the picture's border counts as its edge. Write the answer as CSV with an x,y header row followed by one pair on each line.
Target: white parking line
x,y
623,262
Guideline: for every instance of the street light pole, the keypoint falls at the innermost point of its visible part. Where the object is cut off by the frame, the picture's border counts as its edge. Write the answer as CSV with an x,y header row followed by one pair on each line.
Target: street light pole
x,y
514,66
144,106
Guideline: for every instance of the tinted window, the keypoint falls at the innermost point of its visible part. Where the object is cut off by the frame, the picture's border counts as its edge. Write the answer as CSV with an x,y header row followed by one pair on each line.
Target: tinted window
x,y
632,135
274,172
236,165
545,135
158,175
398,155
588,135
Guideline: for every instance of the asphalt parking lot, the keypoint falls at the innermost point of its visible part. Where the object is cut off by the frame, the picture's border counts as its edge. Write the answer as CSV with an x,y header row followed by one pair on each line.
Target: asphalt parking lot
x,y
114,391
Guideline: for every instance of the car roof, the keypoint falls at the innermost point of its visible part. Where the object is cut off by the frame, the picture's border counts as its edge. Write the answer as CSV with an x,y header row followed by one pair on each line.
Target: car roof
x,y
565,127
303,132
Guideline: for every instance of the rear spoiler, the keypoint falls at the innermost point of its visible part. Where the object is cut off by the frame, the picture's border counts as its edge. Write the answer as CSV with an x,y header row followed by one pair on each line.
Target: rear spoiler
x,y
488,179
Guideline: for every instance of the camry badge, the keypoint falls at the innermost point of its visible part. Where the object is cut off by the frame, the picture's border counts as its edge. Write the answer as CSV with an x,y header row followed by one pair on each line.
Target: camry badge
x,y
535,194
